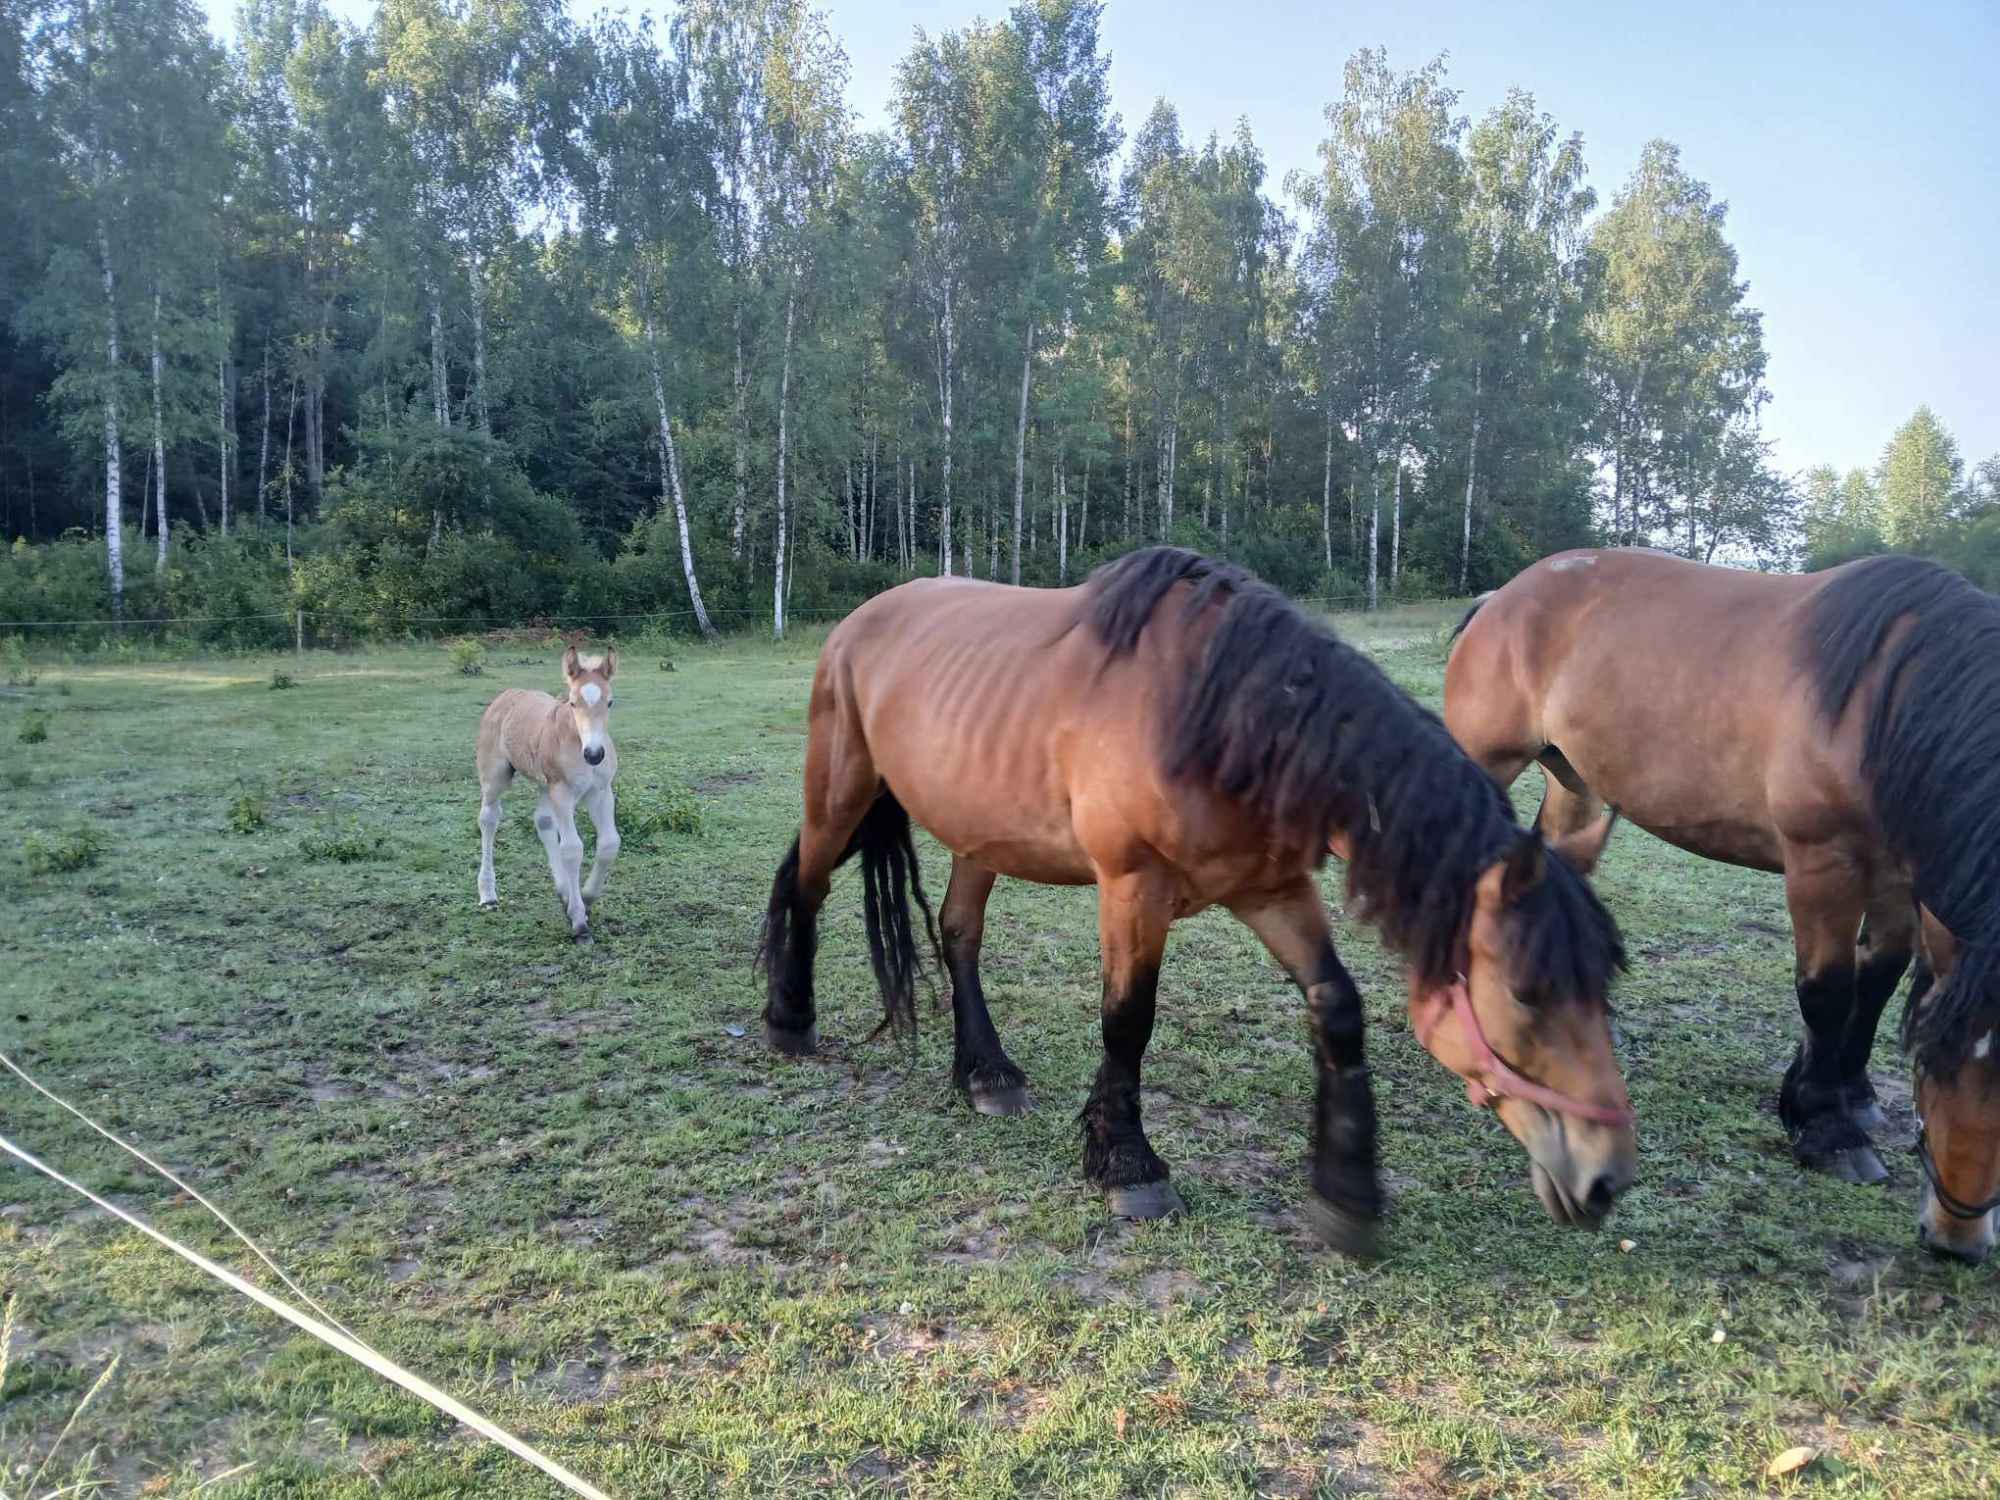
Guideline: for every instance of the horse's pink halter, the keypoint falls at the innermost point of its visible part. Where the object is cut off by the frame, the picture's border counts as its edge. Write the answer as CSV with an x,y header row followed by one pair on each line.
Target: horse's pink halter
x,y
1498,1079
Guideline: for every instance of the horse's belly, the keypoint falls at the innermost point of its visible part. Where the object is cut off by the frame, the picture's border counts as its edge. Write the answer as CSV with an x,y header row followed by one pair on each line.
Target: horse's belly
x,y
1730,841
1002,839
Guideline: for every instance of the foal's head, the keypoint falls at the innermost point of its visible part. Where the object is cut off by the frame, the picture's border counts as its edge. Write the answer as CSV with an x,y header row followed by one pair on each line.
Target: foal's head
x,y
589,700
1528,1024
1953,1034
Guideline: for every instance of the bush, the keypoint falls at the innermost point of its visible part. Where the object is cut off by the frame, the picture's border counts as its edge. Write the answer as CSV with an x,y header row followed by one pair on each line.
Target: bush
x,y
343,843
246,814
468,657
77,848
646,815
281,679
34,729
14,656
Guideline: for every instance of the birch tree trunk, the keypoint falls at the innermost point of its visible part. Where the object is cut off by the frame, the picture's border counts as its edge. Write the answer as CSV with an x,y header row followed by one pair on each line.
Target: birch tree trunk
x,y
1396,524
741,390
1326,494
784,405
670,467
222,406
114,539
1021,444
291,412
264,438
440,389
1374,532
1471,472
1062,523
479,403
945,392
161,525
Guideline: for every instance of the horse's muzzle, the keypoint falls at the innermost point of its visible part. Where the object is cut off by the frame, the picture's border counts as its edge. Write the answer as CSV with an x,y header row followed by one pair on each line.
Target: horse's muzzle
x,y
594,757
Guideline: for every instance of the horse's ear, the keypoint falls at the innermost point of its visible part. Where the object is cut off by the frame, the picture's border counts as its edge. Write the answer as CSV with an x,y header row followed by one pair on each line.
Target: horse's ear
x,y
1582,849
1526,864
572,668
610,660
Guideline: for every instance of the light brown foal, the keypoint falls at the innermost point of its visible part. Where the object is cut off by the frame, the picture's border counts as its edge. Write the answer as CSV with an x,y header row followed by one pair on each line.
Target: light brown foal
x,y
565,745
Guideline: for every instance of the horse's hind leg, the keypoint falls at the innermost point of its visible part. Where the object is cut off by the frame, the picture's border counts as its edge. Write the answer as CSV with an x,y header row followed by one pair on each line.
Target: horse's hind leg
x,y
1134,911
1346,1201
1825,889
979,1064
1881,957
1568,803
841,785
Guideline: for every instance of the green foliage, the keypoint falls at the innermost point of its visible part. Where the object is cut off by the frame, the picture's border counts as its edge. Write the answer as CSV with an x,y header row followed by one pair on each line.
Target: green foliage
x,y
343,841
468,657
34,729
58,853
14,657
281,680
1920,476
247,813
648,815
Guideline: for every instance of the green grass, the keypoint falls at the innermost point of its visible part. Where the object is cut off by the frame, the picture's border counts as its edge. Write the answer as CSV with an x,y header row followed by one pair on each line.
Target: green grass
x,y
567,1182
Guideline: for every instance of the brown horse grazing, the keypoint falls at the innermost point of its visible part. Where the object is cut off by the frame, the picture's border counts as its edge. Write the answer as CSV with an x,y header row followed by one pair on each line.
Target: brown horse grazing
x,y
1181,736
1841,727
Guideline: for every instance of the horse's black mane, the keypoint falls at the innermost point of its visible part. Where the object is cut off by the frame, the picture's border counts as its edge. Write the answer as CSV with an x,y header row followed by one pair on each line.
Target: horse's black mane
x,y
1931,754
1314,738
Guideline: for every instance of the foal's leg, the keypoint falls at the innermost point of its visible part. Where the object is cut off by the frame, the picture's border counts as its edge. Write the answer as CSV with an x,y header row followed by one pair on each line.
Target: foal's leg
x,y
1133,913
555,821
492,786
1881,957
1825,889
979,1064
1346,1200
603,808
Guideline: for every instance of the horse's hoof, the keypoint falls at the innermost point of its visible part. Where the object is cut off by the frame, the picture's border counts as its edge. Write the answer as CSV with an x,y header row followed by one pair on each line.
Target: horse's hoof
x,y
1856,1164
1145,1200
491,903
792,1043
1358,1235
581,932
1865,1112
1009,1101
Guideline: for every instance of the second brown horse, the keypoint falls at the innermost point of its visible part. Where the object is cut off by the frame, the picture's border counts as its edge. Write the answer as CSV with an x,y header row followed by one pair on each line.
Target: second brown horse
x,y
1181,736
1841,727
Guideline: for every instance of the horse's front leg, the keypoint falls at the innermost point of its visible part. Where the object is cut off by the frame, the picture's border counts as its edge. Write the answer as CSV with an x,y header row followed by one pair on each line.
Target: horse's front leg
x,y
1133,914
1346,1201
1825,887
555,821
603,808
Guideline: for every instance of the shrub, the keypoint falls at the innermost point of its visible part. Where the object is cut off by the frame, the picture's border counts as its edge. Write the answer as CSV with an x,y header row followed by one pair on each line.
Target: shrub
x,y
14,655
19,778
246,814
280,680
77,848
343,843
34,729
468,657
646,815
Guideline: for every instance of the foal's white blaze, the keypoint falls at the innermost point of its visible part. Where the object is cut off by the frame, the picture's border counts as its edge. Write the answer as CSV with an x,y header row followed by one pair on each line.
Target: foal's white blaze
x,y
591,693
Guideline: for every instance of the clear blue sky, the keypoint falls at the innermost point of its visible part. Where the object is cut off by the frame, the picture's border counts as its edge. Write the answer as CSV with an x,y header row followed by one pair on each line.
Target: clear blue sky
x,y
1860,165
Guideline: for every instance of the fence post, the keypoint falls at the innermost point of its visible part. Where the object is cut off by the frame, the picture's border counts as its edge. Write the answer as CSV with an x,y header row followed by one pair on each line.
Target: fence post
x,y
302,633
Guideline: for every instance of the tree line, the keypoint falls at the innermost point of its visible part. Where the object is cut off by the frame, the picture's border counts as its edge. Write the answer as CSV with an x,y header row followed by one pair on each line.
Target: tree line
x,y
478,311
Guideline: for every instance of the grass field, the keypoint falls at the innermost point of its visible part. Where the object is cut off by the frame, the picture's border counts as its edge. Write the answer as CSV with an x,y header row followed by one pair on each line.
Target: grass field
x,y
568,1182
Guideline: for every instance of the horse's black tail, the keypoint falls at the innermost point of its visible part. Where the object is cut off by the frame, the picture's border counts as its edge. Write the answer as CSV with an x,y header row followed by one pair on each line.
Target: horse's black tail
x,y
889,877
1459,629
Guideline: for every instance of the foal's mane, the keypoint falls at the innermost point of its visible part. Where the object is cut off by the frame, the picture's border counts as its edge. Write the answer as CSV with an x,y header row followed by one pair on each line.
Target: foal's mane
x,y
1931,756
1313,738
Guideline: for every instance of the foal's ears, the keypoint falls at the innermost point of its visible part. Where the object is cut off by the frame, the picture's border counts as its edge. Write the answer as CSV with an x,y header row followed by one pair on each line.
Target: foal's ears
x,y
572,668
1582,850
610,662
